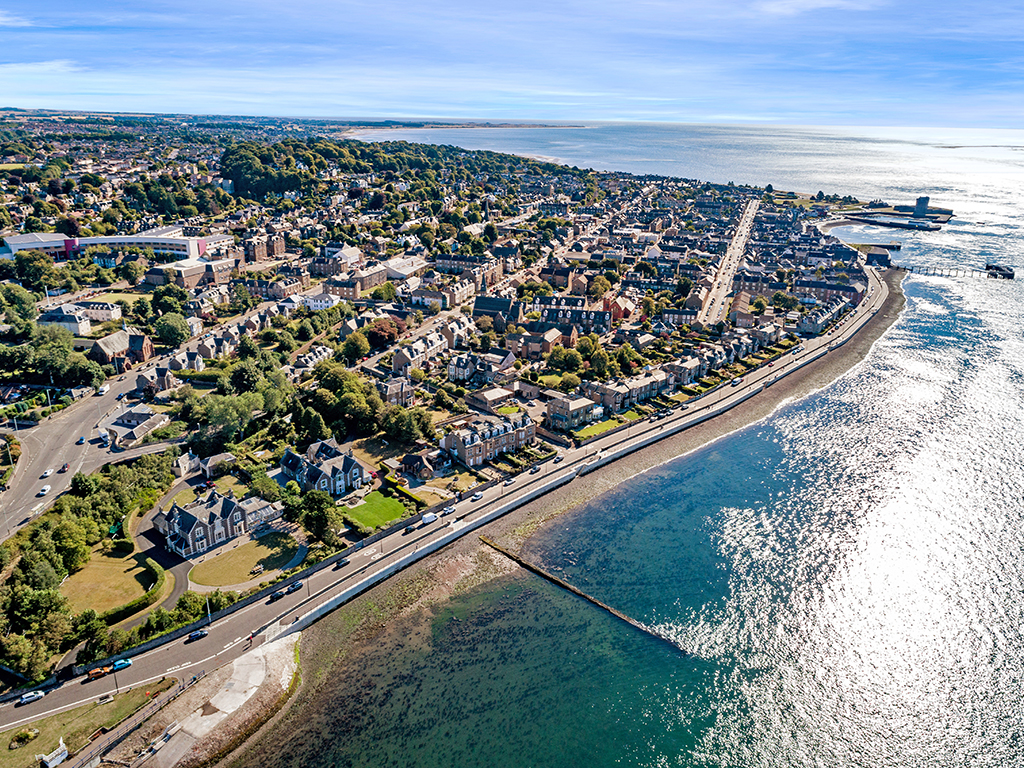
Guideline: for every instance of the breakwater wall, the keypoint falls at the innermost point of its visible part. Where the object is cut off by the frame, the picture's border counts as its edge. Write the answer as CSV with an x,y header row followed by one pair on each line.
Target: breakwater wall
x,y
536,569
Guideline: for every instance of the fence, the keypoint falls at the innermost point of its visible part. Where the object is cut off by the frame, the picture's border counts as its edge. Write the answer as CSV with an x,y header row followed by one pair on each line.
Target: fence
x,y
121,731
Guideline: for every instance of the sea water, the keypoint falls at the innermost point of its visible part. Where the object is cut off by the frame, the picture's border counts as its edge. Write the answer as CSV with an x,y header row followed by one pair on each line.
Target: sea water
x,y
841,584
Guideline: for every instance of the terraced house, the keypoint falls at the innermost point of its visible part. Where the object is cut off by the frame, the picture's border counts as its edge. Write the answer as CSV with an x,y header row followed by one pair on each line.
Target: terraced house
x,y
486,437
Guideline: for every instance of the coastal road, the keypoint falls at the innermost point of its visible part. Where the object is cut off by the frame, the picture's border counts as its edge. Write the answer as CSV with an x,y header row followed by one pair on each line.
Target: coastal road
x,y
714,309
228,637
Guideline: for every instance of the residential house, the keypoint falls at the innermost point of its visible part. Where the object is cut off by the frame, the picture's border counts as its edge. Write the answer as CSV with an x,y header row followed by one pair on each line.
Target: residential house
x,y
569,413
487,437
419,353
397,390
326,467
212,520
69,317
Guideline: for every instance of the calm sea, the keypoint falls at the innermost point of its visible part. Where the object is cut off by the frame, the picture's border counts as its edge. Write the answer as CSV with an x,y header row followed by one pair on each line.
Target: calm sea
x,y
847,577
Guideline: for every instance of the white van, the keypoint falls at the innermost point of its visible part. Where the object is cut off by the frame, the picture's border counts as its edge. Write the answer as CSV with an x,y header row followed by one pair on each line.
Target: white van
x,y
428,518
103,390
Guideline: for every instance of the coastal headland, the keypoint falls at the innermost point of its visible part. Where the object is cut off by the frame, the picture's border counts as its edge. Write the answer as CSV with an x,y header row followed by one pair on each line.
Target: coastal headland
x,y
398,613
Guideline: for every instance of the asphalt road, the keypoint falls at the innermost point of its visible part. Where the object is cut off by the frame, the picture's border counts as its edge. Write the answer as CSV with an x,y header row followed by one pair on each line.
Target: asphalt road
x,y
714,308
228,637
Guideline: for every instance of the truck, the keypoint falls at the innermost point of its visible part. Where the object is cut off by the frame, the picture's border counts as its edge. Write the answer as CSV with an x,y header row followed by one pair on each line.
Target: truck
x,y
104,437
103,390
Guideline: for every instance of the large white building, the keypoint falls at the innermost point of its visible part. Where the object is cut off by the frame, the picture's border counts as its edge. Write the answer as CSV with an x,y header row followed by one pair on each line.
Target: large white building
x,y
60,247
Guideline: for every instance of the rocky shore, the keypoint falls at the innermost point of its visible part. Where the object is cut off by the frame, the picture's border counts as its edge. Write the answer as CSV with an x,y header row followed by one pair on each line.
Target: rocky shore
x,y
399,612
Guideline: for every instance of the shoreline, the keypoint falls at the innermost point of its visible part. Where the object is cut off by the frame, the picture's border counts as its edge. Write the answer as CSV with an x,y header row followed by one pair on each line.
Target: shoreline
x,y
400,611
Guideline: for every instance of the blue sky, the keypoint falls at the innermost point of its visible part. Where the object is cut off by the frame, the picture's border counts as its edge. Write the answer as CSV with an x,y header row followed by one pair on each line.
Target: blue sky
x,y
810,62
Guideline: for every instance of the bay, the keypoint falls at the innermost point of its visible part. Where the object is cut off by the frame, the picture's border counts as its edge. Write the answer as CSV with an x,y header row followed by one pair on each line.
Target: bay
x,y
839,585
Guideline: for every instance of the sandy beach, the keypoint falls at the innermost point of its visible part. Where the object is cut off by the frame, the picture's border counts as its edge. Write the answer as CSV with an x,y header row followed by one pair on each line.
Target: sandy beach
x,y
399,612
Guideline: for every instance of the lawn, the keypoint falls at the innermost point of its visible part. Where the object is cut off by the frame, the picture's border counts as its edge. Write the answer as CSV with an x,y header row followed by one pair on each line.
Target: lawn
x,y
107,581
233,566
597,428
231,483
115,296
463,481
181,498
76,725
508,410
550,380
377,510
373,450
632,415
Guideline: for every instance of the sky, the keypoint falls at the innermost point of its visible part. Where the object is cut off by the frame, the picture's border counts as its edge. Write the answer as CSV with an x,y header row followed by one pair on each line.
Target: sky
x,y
791,62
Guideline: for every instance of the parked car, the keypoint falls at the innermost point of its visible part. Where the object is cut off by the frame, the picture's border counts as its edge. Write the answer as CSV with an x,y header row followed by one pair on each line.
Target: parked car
x,y
199,634
120,664
477,496
28,698
276,596
295,586
44,490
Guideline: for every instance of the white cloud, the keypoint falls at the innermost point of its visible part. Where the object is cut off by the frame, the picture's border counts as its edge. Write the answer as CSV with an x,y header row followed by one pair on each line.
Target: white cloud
x,y
10,20
794,7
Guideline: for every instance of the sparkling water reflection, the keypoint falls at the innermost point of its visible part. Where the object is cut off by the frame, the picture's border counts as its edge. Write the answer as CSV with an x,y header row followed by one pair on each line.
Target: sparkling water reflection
x,y
846,576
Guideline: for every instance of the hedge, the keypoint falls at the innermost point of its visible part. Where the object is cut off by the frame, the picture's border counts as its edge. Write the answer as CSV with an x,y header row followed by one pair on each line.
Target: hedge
x,y
122,612
207,375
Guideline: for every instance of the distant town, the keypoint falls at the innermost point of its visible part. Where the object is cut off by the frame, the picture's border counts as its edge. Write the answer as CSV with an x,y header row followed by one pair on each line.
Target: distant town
x,y
225,334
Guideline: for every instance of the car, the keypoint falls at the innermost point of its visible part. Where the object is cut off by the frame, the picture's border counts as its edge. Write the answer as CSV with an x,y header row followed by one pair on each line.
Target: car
x,y
409,529
120,664
47,473
771,365
28,698
295,586
339,564
510,481
121,396
66,467
199,634
559,458
96,674
447,511
44,490
476,496
80,441
535,469
276,596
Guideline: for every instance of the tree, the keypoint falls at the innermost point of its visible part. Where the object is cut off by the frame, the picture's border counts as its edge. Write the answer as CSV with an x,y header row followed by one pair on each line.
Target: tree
x,y
385,292
142,309
572,361
132,271
320,517
569,382
245,376
172,329
248,349
356,347
318,429
598,287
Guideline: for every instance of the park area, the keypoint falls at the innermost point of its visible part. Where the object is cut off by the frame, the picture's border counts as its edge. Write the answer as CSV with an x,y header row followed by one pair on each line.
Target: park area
x,y
108,580
234,566
75,725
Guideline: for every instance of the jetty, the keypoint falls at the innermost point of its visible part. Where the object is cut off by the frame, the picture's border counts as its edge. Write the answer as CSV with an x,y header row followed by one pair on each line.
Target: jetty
x,y
991,271
536,569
